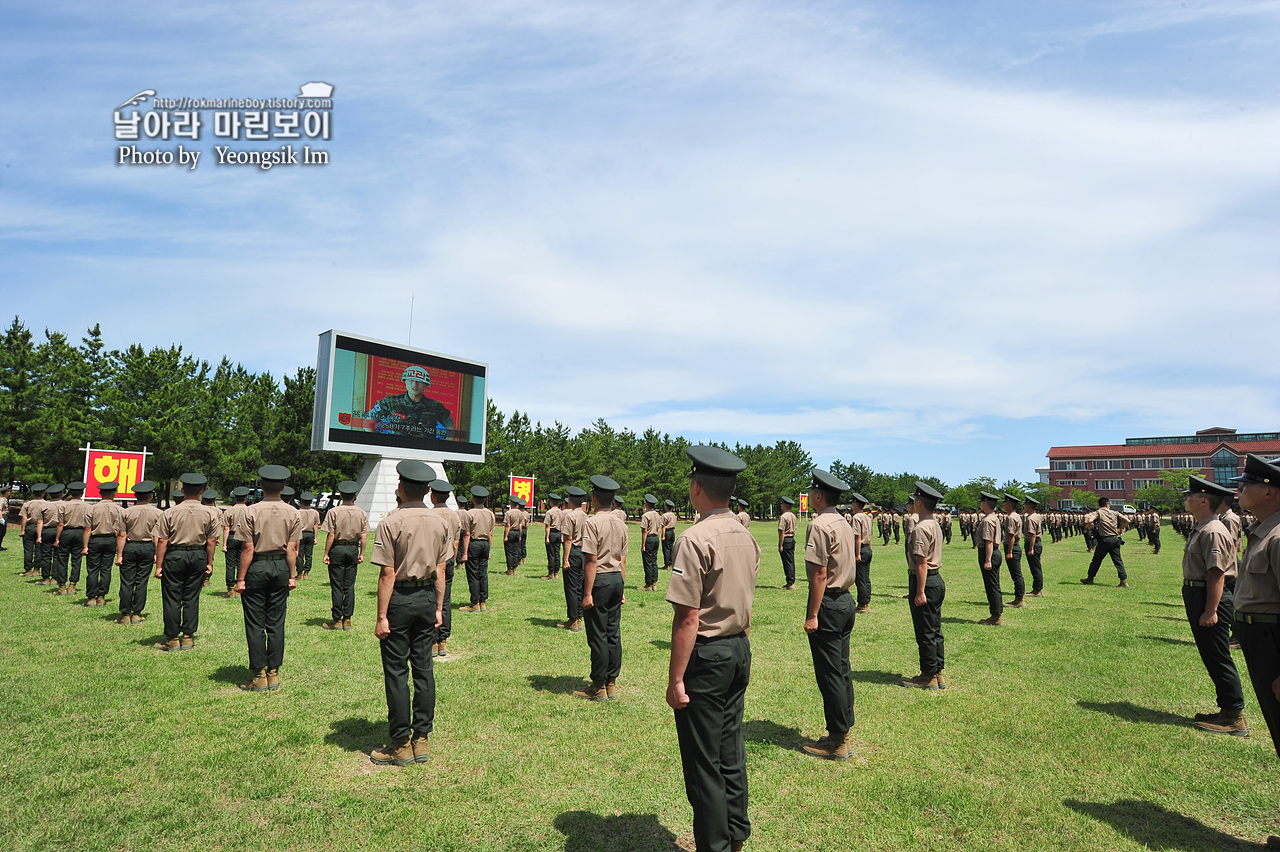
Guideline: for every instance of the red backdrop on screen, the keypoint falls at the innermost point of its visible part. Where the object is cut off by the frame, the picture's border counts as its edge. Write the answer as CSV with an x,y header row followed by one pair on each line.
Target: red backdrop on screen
x,y
386,379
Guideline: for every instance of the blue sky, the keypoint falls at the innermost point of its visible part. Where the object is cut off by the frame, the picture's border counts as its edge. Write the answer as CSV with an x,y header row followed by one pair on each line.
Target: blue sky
x,y
937,237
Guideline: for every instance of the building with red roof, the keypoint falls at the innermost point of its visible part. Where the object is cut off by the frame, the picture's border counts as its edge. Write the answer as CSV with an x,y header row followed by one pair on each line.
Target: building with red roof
x,y
1118,470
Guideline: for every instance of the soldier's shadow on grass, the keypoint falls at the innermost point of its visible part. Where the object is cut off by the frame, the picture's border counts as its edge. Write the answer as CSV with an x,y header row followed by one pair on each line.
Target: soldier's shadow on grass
x,y
1131,712
544,622
316,621
588,832
872,676
1169,640
558,684
356,734
230,674
1154,827
1167,618
1164,603
662,644
771,733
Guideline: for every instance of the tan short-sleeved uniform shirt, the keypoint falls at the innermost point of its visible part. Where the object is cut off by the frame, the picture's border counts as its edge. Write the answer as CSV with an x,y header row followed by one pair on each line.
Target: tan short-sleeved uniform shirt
x,y
1258,586
482,523
309,518
188,524
909,522
217,515
572,526
414,540
988,528
862,526
454,524
1034,526
551,520
27,514
50,512
233,518
605,537
668,522
1208,546
926,541
787,524
744,518
346,524
1234,528
73,514
1107,524
271,525
714,570
106,518
650,523
829,544
142,522
1013,526
621,513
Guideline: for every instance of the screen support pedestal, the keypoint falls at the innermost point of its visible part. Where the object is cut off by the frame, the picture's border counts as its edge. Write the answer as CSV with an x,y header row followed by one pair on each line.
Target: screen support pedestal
x,y
378,481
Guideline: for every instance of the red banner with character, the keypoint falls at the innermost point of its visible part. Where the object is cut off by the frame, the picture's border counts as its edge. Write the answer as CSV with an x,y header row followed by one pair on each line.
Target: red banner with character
x,y
101,466
522,487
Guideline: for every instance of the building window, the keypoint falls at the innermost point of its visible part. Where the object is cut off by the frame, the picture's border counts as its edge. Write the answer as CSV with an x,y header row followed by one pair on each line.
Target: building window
x,y
1224,466
1059,465
1145,483
1116,464
1109,485
1075,465
1071,482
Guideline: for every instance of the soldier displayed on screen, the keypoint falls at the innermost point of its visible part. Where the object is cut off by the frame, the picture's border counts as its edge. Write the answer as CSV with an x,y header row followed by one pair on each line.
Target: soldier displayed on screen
x,y
412,412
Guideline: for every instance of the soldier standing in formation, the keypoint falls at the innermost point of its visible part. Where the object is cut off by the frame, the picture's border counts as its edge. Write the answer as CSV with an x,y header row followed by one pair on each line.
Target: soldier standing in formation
x,y
861,526
926,589
412,545
70,550
269,536
1208,589
604,546
440,491
1153,531
1013,549
744,513
511,520
573,524
231,545
207,500
309,518
138,558
47,531
1107,528
29,525
712,588
986,535
668,534
551,535
481,531
787,543
650,532
1033,543
830,562
346,531
187,535
106,544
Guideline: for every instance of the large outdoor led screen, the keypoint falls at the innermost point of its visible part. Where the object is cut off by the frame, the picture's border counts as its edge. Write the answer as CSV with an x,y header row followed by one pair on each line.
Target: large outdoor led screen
x,y
382,399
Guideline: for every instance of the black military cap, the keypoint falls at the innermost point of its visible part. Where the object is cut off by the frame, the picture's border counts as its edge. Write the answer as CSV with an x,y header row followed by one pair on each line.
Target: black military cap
x,y
575,491
603,483
41,487
858,498
553,496
1196,485
479,491
109,486
824,480
993,499
1031,501
274,473
193,479
618,500
1012,498
146,486
238,491
441,486
651,500
306,496
287,491
715,461
788,501
924,489
671,504
1258,469
76,486
348,487
744,503
419,472
55,488
519,501
177,493
209,494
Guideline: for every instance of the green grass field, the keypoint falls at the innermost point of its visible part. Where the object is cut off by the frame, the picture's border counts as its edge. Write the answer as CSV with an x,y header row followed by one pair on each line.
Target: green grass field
x,y
1067,728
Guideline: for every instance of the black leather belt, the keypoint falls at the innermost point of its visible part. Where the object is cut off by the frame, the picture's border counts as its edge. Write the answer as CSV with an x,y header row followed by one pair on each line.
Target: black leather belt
x,y
268,554
1194,584
183,547
414,584
1260,618
100,535
702,640
834,593
352,543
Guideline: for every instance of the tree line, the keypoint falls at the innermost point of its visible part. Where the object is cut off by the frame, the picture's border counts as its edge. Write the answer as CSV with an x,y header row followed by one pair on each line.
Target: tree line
x,y
226,421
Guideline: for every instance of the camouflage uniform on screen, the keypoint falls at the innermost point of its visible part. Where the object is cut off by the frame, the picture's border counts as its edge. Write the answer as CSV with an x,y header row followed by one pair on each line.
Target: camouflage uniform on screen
x,y
400,415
